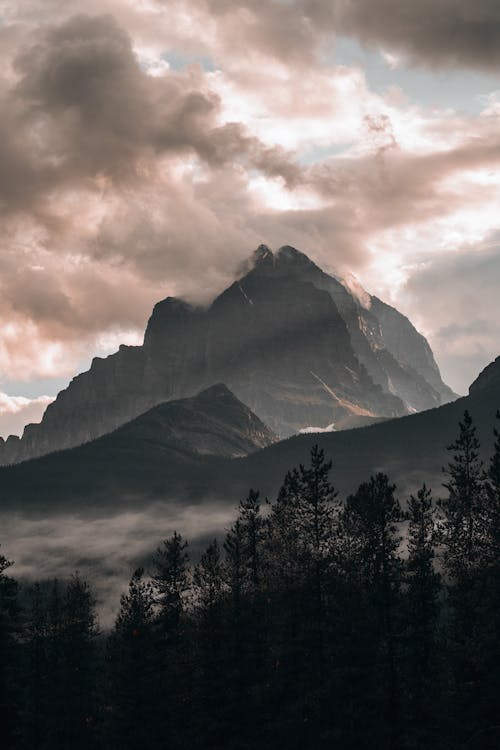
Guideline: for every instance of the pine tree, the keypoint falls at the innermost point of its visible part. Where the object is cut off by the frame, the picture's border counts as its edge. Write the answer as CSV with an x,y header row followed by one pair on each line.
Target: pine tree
x,y
243,548
36,709
131,660
490,576
372,517
213,667
78,635
464,526
316,513
464,530
171,582
9,653
492,547
423,588
283,543
285,583
302,527
235,567
252,525
316,503
247,607
208,580
55,690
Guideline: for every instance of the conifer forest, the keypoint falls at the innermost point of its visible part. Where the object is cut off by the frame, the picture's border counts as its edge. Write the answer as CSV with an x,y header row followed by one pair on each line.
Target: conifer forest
x,y
317,622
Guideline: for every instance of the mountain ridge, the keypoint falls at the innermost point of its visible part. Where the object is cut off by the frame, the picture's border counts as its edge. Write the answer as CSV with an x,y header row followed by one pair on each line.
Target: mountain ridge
x,y
108,474
308,354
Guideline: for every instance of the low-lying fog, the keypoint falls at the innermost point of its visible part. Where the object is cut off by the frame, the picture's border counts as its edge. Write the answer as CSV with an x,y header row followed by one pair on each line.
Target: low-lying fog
x,y
105,549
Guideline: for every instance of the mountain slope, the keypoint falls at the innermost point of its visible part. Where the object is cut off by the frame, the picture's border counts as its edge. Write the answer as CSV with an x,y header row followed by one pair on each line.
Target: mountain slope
x,y
395,355
212,423
129,468
411,449
289,340
173,439
409,348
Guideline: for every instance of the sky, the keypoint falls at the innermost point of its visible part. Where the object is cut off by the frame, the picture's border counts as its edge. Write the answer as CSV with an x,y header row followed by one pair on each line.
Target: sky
x,y
148,146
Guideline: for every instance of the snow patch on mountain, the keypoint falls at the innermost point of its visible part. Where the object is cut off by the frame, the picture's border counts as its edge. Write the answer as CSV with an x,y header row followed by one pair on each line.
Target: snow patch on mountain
x,y
311,430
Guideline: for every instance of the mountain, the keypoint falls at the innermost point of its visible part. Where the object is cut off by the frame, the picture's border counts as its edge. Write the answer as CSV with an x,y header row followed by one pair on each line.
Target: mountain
x,y
212,423
173,439
411,449
396,356
163,454
301,348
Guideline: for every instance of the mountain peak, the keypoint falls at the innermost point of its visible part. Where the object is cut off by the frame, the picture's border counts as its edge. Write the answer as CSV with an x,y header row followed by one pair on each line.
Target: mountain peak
x,y
291,254
284,262
262,258
263,252
218,390
213,422
170,313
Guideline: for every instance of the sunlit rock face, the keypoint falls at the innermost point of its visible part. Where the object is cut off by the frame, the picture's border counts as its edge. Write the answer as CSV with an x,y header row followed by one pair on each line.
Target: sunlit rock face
x,y
298,346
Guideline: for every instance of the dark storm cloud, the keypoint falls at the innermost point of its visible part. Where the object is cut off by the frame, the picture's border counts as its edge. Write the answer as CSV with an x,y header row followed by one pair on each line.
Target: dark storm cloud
x,y
88,146
82,109
461,33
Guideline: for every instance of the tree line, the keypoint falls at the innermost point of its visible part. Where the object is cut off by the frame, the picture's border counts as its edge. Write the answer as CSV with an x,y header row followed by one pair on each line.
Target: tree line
x,y
316,622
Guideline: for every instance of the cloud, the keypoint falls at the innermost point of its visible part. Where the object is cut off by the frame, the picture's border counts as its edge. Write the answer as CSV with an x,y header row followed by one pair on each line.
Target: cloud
x,y
90,145
459,294
126,178
295,33
82,109
451,33
17,411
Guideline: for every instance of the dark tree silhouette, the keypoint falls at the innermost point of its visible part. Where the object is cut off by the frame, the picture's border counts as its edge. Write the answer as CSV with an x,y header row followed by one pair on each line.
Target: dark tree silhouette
x,y
465,520
9,622
170,579
36,707
171,583
372,518
77,641
132,662
465,532
422,602
316,623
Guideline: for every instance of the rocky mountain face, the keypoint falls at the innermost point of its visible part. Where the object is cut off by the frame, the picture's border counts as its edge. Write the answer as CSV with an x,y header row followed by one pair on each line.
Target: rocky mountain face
x,y
292,342
146,456
395,355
